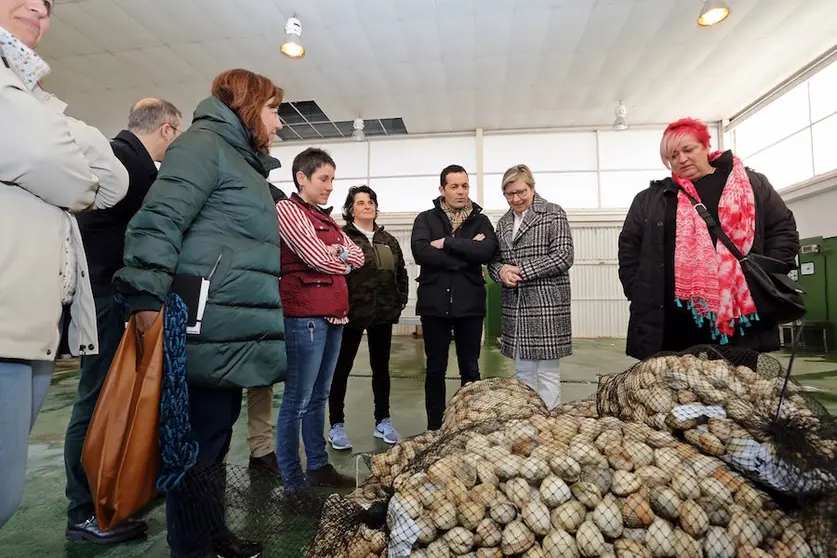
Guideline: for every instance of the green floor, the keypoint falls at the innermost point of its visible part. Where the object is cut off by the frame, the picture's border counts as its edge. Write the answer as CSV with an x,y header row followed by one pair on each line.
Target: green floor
x,y
38,527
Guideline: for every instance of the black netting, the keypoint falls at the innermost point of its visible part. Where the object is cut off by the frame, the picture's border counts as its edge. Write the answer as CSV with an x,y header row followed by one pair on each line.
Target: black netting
x,y
734,404
506,478
223,506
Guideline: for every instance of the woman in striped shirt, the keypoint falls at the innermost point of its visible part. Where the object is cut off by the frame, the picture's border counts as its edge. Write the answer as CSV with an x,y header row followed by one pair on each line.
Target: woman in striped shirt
x,y
316,256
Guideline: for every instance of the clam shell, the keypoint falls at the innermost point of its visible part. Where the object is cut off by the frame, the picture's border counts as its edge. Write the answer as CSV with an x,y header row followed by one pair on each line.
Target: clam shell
x,y
486,474
744,531
659,539
608,518
534,470
749,498
731,480
438,549
658,422
488,533
554,491
444,516
797,545
716,510
624,483
535,552
685,546
685,485
636,512
652,476
427,529
536,516
641,453
779,549
637,535
721,428
459,540
590,540
660,439
470,514
714,488
523,446
685,396
560,544
693,520
564,428
566,468
665,503
587,493
608,438
503,512
568,516
745,551
619,458
483,494
601,477
626,548
508,467
636,431
676,424
586,455
456,492
517,538
718,544
667,458
518,492
708,443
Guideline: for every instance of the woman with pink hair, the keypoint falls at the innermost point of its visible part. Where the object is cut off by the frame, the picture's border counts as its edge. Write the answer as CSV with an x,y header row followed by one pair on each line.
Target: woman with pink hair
x,y
685,287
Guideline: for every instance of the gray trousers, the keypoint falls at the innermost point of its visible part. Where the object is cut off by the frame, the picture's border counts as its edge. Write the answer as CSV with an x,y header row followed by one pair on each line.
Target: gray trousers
x,y
23,389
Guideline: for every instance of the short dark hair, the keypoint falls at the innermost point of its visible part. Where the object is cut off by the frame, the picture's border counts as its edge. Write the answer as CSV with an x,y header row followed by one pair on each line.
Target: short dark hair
x,y
348,214
309,161
149,114
450,169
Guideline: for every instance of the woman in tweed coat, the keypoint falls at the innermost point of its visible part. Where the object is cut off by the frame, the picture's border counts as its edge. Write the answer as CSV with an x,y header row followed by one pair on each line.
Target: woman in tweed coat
x,y
536,253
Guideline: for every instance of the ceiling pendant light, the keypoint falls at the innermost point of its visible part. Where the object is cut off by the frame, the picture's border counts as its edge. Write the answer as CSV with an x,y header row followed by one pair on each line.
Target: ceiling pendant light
x,y
358,134
621,123
712,13
292,47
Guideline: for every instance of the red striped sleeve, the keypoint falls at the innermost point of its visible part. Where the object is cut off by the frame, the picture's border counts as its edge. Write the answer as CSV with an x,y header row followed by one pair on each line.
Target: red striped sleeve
x,y
356,257
298,233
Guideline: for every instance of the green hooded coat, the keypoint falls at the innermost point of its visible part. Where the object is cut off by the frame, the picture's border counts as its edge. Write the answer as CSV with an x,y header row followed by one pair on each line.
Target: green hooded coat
x,y
211,207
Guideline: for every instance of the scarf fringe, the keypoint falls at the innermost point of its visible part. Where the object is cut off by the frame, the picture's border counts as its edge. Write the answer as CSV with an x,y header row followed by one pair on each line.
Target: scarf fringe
x,y
702,314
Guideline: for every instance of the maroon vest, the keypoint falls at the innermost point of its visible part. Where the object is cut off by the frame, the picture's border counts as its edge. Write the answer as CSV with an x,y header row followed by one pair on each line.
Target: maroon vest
x,y
307,293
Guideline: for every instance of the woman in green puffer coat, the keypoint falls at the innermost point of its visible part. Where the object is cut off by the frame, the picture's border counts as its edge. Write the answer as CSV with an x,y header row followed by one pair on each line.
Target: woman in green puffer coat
x,y
211,214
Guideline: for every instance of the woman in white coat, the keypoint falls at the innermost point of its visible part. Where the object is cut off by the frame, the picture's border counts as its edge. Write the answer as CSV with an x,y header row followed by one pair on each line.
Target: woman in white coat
x,y
51,166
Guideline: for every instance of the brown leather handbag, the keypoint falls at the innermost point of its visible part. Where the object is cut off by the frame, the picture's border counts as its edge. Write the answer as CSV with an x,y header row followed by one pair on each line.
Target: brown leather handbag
x,y
121,454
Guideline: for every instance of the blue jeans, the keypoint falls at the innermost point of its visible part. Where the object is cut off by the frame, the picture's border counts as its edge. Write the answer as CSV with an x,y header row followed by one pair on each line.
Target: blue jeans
x,y
313,345
23,389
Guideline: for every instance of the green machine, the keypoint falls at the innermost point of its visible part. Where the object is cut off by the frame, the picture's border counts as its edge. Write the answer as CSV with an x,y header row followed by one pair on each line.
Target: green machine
x,y
493,310
817,275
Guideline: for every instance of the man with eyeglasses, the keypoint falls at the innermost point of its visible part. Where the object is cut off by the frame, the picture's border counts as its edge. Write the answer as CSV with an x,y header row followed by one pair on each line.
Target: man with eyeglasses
x,y
153,124
451,243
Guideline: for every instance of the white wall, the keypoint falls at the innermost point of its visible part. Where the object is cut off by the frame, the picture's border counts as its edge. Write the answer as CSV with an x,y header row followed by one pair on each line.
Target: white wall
x,y
578,169
814,204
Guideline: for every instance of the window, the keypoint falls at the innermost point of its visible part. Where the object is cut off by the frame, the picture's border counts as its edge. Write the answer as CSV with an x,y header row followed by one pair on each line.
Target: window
x,y
785,116
824,93
825,144
787,162
620,187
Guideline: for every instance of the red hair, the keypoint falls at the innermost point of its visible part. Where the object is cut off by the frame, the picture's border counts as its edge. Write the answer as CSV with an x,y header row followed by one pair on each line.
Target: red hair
x,y
675,132
246,93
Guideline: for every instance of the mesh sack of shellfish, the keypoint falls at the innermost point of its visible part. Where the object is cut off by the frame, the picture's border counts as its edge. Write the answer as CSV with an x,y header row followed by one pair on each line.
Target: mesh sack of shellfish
x,y
567,486
385,465
726,401
585,408
351,528
491,399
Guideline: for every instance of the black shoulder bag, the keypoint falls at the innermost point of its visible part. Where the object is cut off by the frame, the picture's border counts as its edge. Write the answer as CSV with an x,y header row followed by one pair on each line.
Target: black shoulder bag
x,y
778,298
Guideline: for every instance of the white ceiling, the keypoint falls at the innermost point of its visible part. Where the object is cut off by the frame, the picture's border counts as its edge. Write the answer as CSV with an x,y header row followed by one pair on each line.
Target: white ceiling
x,y
442,65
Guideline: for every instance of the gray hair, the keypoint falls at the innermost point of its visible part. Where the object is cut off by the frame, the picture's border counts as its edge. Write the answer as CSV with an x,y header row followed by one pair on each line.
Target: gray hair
x,y
148,115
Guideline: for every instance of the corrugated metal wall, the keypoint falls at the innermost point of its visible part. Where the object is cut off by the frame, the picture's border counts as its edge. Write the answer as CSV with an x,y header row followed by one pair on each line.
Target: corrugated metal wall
x,y
598,305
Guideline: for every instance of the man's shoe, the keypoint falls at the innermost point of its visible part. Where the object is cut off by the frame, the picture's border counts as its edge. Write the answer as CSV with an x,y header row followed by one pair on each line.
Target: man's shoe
x,y
90,531
337,437
328,477
230,546
266,463
385,431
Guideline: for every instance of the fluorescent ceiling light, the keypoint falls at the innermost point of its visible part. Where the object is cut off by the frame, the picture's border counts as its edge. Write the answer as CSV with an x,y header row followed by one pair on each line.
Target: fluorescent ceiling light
x,y
713,12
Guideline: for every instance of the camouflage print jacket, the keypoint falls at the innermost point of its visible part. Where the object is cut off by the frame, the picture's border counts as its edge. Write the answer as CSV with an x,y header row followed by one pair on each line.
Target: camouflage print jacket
x,y
378,290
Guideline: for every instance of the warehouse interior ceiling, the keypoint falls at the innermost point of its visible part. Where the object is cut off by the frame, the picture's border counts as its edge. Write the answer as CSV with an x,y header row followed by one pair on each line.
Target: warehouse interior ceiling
x,y
440,65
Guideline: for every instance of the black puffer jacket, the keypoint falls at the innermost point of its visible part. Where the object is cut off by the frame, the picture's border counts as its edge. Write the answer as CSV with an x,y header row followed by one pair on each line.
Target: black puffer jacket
x,y
646,254
378,290
451,282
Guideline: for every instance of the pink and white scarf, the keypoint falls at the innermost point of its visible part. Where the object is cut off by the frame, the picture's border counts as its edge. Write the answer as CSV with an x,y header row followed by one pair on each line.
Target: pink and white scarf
x,y
707,278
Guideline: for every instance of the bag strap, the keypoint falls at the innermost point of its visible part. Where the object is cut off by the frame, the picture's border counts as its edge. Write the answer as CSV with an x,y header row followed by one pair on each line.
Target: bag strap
x,y
713,225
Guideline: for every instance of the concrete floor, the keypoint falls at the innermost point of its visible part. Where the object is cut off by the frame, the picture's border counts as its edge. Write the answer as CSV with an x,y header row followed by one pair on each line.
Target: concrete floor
x,y
38,527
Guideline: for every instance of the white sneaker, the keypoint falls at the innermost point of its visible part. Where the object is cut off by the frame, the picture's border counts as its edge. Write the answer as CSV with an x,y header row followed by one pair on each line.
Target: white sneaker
x,y
386,432
337,437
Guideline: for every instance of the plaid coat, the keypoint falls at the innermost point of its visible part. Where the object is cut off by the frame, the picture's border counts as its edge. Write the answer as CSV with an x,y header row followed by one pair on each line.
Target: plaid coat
x,y
536,314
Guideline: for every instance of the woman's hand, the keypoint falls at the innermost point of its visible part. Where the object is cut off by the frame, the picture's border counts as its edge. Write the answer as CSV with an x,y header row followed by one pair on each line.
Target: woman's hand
x,y
144,320
510,275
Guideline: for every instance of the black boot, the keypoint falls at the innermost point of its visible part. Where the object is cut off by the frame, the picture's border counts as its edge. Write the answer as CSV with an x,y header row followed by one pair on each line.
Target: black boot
x,y
90,531
230,546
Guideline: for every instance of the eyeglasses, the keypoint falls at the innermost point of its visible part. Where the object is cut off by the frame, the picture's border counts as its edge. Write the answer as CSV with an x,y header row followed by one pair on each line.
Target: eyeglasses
x,y
518,193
